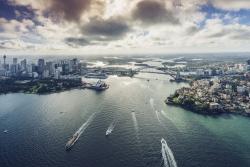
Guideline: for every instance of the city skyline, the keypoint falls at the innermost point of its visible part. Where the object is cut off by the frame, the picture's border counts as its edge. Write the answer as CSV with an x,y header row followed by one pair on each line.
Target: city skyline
x,y
81,27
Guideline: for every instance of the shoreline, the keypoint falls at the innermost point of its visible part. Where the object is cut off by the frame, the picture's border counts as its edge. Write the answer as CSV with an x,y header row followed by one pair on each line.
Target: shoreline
x,y
203,111
39,87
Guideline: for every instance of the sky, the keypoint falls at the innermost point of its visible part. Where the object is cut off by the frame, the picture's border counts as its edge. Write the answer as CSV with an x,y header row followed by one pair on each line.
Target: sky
x,y
85,27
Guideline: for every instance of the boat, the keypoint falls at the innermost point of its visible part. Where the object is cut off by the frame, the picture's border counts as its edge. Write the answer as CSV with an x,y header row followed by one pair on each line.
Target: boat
x,y
100,85
71,141
163,141
108,132
5,131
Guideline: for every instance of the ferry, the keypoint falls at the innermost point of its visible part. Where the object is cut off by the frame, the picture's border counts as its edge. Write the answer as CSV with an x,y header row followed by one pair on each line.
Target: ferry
x,y
108,132
163,141
71,141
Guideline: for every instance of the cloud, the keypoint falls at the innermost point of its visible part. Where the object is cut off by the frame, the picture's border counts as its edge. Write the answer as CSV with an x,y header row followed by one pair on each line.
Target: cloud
x,y
153,12
111,28
75,42
141,24
70,10
230,4
243,34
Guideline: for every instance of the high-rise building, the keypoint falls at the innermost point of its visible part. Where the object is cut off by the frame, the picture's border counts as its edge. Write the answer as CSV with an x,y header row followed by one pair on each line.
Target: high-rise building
x,y
40,66
50,67
4,60
65,69
14,60
14,69
24,65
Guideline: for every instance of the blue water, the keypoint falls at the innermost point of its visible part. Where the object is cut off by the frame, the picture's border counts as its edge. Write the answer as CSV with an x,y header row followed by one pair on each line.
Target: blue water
x,y
40,125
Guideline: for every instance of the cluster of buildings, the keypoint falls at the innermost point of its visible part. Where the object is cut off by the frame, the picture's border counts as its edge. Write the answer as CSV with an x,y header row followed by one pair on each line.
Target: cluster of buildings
x,y
223,69
62,69
225,93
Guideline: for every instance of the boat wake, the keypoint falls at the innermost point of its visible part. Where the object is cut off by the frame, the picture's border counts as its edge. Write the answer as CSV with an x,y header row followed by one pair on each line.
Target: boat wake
x,y
135,122
167,155
79,132
151,101
110,128
157,115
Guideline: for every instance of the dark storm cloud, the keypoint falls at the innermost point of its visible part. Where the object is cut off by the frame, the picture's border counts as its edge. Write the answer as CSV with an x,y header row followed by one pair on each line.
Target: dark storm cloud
x,y
70,10
99,32
74,42
153,12
110,28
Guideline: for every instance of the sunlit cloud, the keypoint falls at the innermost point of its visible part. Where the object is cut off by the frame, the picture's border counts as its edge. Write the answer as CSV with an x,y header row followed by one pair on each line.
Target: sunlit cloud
x,y
114,26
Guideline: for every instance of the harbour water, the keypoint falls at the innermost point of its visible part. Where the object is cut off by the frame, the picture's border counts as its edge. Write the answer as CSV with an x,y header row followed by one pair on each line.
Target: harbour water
x,y
39,126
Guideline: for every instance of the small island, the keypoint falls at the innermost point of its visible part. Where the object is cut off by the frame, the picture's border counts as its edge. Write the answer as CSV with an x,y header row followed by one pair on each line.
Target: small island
x,y
207,96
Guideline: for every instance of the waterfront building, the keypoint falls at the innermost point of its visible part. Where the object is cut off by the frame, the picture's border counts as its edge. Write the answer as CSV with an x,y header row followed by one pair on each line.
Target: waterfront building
x,y
214,106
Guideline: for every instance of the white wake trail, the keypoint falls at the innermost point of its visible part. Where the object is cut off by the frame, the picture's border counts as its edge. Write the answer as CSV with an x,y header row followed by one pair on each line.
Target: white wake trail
x,y
152,104
151,101
85,125
135,122
167,155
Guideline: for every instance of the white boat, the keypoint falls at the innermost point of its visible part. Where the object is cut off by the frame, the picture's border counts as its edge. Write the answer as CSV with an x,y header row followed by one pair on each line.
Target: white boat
x,y
108,132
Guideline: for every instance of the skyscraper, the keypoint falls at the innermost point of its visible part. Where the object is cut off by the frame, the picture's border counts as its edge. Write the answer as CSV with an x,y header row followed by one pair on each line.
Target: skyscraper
x,y
24,65
14,60
41,66
4,62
